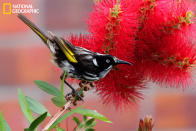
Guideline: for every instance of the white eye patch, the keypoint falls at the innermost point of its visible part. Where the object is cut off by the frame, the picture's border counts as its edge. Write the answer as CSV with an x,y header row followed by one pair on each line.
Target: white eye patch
x,y
107,61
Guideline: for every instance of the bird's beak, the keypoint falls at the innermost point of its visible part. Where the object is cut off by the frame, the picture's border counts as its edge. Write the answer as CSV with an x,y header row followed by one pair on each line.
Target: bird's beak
x,y
122,62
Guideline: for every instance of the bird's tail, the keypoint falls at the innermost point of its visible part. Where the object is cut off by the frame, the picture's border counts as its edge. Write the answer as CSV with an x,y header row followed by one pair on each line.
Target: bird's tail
x,y
34,28
51,42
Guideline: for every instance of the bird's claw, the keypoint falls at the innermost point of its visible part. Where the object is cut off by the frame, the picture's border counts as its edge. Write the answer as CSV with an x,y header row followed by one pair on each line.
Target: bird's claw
x,y
78,96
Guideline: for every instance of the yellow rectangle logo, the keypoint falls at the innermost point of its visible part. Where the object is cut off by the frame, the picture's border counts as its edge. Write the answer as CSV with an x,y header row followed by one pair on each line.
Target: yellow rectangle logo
x,y
7,8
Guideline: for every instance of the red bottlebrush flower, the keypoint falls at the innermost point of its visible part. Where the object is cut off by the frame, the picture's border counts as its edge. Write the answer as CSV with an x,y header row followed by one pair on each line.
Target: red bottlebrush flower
x,y
85,41
113,26
121,85
166,51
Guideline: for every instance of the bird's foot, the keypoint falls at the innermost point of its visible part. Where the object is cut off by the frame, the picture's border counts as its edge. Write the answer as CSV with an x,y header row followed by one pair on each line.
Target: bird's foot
x,y
77,94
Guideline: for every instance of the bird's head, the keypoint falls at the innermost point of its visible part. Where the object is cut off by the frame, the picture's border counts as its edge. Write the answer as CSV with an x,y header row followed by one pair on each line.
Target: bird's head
x,y
106,61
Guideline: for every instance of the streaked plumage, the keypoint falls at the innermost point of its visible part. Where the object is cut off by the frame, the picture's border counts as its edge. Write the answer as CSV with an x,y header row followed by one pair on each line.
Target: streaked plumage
x,y
78,62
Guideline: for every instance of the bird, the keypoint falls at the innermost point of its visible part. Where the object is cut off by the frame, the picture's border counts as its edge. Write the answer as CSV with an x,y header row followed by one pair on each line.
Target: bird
x,y
76,62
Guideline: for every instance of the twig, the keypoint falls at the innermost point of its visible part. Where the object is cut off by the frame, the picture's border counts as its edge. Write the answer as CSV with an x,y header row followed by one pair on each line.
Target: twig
x,y
56,116
84,86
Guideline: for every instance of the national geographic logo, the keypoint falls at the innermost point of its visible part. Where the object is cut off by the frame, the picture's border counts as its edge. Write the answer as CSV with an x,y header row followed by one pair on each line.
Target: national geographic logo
x,y
9,8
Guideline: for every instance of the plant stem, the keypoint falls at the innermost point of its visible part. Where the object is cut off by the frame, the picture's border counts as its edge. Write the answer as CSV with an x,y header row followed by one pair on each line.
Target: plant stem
x,y
56,116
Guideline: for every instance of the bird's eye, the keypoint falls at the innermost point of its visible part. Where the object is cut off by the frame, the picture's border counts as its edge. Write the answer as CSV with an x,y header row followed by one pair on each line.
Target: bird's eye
x,y
107,61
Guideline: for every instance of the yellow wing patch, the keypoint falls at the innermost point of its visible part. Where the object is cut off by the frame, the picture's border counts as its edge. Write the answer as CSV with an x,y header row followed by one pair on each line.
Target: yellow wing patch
x,y
69,54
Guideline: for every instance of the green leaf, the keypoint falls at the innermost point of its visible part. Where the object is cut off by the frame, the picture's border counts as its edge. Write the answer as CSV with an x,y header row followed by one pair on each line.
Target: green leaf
x,y
76,120
92,113
37,122
48,88
62,118
84,117
59,129
93,124
35,106
62,84
7,126
24,106
81,125
3,124
58,101
79,110
89,122
89,129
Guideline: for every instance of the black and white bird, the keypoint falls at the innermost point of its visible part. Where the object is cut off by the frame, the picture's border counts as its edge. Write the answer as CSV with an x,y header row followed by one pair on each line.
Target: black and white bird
x,y
76,62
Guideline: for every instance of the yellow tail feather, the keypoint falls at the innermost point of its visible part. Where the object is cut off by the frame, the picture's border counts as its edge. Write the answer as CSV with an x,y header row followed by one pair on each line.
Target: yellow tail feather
x,y
33,27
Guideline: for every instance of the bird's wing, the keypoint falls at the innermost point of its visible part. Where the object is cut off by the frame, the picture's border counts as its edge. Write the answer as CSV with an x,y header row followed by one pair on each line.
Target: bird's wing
x,y
85,58
82,51
66,47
